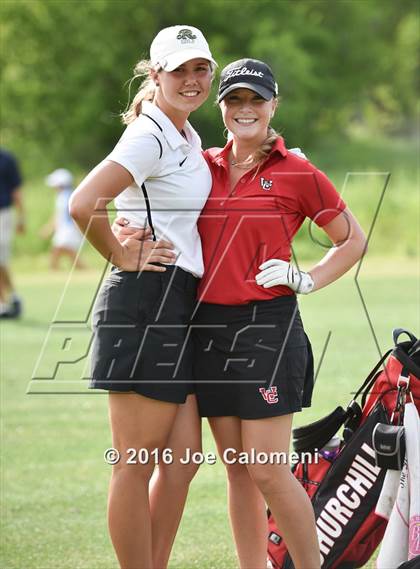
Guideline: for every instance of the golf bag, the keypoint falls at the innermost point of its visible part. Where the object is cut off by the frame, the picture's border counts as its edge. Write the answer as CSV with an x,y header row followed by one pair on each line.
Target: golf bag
x,y
344,484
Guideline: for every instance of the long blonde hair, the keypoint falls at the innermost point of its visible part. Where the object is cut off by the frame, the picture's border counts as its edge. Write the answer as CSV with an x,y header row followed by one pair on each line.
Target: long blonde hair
x,y
146,91
267,145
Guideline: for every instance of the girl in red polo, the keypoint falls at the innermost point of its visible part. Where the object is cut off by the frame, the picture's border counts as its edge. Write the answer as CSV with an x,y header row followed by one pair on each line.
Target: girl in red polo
x,y
253,362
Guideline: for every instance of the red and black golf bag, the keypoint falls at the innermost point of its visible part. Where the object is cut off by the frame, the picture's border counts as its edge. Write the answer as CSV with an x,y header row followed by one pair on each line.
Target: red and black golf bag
x,y
344,485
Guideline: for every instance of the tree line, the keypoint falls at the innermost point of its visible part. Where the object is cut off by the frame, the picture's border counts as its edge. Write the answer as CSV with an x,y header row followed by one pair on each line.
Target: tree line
x,y
65,67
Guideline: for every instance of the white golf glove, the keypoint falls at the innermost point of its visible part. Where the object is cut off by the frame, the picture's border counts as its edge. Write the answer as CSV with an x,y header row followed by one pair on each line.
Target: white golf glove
x,y
277,272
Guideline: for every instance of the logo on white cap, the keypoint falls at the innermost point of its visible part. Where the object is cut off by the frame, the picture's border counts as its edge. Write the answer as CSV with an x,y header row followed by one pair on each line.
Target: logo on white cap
x,y
186,36
175,45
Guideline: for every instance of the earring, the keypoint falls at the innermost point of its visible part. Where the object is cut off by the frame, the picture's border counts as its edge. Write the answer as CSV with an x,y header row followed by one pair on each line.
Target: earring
x,y
225,133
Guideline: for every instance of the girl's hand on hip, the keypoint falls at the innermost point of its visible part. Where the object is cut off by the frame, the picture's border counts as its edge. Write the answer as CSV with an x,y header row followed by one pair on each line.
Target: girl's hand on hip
x,y
277,272
138,255
121,230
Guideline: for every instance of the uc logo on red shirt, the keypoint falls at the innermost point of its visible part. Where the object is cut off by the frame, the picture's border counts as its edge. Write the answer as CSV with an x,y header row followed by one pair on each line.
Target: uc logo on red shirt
x,y
266,184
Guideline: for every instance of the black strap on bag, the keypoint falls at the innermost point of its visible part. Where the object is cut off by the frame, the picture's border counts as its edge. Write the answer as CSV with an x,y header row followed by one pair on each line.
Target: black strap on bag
x,y
370,380
408,353
317,434
396,333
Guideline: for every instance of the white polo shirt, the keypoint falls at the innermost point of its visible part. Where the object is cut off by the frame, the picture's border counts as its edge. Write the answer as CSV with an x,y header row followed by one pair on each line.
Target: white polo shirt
x,y
176,177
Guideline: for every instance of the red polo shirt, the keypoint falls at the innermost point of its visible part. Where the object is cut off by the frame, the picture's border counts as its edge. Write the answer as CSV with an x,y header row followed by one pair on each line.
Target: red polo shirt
x,y
257,221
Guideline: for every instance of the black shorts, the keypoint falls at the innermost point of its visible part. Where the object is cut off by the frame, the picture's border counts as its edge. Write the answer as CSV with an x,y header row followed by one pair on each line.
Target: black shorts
x,y
141,337
252,361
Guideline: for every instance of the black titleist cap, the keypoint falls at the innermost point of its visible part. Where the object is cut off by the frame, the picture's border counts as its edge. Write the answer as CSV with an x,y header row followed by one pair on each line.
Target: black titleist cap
x,y
247,74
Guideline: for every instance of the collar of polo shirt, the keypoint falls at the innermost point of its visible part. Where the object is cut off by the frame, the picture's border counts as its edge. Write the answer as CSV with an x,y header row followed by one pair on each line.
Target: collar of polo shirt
x,y
221,157
173,137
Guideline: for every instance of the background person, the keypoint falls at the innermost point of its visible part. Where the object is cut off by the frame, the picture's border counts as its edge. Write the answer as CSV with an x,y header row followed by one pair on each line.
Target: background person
x,y
66,237
10,197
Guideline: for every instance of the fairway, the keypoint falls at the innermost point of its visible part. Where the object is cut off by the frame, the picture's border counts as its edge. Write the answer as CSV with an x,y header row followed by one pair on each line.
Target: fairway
x,y
107,107
54,478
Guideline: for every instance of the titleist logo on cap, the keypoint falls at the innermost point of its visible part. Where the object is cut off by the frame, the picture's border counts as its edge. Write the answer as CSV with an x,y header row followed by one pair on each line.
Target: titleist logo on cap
x,y
242,71
247,74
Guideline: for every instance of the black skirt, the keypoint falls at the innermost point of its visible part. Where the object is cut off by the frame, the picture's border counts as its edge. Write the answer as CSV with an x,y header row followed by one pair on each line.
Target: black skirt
x,y
141,342
252,361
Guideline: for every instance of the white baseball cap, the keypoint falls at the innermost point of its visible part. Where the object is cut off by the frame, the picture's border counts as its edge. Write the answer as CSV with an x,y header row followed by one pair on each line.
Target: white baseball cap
x,y
175,45
60,178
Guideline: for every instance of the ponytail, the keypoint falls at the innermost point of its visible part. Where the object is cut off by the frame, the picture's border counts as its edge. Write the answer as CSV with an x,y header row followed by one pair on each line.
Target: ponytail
x,y
264,150
146,91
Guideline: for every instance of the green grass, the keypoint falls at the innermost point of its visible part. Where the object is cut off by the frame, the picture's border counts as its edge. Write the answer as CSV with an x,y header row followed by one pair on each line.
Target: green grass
x,y
54,479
